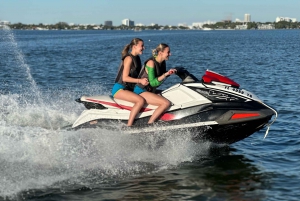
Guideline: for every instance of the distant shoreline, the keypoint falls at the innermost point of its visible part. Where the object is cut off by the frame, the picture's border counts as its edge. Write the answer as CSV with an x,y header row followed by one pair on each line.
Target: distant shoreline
x,y
1,28
224,25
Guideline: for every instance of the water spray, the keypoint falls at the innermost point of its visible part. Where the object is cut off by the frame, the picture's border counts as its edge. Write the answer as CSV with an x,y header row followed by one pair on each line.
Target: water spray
x,y
9,36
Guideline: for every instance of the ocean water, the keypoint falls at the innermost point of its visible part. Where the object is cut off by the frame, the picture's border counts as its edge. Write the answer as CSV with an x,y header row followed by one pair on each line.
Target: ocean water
x,y
43,72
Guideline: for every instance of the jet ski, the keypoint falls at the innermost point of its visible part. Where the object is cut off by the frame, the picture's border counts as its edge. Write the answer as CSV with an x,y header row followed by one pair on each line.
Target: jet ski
x,y
214,109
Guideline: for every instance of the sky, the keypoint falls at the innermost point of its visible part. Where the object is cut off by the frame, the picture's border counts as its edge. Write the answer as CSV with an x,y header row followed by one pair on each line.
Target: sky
x,y
162,12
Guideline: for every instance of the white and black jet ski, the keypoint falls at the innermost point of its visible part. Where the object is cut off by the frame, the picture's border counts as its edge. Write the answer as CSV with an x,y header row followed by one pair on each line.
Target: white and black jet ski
x,y
214,108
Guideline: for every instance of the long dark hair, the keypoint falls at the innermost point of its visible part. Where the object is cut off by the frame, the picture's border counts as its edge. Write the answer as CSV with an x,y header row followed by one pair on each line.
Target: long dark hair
x,y
133,42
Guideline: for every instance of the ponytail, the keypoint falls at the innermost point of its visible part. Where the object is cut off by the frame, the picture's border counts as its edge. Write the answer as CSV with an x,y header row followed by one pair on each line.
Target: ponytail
x,y
125,50
154,53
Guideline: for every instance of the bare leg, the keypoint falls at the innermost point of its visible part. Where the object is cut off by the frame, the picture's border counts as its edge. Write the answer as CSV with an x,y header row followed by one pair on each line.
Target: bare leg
x,y
154,99
134,98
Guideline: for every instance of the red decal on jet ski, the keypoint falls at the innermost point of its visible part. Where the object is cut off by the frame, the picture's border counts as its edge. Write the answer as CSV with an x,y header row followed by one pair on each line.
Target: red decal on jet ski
x,y
117,105
244,115
213,76
167,117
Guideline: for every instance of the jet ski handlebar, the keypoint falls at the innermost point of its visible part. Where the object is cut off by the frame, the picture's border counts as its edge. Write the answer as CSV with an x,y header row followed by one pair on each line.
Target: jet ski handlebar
x,y
185,76
208,78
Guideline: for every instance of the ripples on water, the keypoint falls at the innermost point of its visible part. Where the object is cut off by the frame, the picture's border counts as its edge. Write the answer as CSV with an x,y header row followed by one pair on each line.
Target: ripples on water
x,y
42,72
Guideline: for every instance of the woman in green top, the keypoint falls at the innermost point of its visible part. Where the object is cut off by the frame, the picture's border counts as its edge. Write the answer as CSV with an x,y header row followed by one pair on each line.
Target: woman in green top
x,y
155,70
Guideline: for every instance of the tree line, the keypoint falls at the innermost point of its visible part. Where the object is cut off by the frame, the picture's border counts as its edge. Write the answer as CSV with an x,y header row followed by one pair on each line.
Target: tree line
x,y
217,25
66,26
253,25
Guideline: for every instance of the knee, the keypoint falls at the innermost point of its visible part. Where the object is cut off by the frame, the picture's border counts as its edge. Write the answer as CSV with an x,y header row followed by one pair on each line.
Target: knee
x,y
141,101
167,103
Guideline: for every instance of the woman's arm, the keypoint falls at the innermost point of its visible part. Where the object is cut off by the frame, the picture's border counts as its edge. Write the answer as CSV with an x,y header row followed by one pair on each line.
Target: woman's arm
x,y
154,81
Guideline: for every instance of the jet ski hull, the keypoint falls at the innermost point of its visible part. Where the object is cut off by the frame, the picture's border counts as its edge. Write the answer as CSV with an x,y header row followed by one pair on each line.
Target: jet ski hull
x,y
208,125
214,109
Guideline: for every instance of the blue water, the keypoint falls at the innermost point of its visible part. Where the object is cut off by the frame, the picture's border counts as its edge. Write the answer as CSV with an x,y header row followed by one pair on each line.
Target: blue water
x,y
43,72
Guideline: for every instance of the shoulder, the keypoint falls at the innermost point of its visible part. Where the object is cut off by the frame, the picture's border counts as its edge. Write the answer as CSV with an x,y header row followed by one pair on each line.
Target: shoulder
x,y
150,63
127,59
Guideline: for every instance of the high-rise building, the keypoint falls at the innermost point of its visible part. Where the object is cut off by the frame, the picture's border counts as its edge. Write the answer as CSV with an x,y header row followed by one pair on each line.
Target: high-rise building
x,y
127,22
247,18
108,23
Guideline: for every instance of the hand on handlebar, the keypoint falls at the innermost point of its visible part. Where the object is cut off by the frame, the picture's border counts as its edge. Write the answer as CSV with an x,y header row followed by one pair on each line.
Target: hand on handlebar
x,y
171,71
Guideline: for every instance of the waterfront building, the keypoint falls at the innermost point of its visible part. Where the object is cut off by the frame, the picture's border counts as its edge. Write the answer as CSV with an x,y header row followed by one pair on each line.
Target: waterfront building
x,y
4,22
247,18
266,26
241,27
197,25
139,25
97,27
287,19
127,22
153,24
108,23
209,22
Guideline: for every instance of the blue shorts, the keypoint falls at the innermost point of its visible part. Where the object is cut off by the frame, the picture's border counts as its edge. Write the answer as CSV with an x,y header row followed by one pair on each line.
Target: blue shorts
x,y
138,90
117,87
